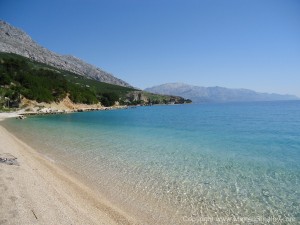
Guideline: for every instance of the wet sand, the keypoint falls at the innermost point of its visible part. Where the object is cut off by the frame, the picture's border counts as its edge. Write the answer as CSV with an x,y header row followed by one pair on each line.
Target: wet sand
x,y
34,190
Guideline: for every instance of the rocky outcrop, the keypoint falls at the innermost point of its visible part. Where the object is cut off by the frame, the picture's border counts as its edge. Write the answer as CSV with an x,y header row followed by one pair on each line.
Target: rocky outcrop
x,y
14,40
137,96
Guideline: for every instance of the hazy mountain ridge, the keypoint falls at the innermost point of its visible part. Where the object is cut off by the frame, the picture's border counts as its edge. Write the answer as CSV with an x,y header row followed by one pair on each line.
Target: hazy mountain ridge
x,y
216,94
14,40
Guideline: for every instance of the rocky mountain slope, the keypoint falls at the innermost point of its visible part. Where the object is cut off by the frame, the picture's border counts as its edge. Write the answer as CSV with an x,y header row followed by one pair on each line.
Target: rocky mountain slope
x,y
216,94
28,83
14,40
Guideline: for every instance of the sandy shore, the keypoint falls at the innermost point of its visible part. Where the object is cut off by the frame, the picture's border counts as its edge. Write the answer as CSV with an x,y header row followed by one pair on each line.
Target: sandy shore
x,y
8,115
35,191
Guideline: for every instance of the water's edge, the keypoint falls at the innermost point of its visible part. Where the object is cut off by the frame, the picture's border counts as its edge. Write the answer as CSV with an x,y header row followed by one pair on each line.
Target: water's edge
x,y
181,164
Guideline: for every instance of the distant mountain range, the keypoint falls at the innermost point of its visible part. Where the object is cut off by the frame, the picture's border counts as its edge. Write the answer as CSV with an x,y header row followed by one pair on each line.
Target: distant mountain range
x,y
14,40
216,94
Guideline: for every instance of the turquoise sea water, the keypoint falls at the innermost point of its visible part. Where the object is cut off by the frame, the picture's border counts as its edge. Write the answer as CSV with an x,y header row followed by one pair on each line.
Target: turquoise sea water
x,y
236,163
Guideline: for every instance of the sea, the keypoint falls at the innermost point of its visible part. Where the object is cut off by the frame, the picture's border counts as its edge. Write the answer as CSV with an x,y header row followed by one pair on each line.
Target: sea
x,y
225,163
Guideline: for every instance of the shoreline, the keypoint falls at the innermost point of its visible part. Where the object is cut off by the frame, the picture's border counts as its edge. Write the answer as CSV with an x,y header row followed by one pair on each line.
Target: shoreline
x,y
37,191
6,115
50,111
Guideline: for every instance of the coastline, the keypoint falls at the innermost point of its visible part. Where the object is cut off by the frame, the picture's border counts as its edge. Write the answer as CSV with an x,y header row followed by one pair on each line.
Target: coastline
x,y
150,191
36,191
7,115
21,114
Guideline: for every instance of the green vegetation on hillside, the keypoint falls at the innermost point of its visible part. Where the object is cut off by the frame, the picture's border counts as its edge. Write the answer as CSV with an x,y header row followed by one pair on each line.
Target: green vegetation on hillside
x,y
20,76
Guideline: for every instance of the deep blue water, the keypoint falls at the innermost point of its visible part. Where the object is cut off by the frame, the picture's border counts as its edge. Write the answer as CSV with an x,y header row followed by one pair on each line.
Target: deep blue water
x,y
182,163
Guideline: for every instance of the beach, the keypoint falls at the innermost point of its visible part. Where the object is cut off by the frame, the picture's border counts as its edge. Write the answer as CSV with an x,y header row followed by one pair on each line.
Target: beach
x,y
35,191
4,116
137,166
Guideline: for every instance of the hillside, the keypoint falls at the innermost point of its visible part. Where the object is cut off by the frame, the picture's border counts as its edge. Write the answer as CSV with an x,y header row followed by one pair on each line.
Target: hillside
x,y
216,94
14,40
22,78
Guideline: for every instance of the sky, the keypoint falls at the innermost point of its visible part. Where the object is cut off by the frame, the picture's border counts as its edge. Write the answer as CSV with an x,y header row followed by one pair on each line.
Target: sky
x,y
252,44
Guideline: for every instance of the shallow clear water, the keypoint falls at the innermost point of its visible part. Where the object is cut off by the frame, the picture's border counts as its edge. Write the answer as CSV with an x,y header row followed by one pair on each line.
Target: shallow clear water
x,y
183,164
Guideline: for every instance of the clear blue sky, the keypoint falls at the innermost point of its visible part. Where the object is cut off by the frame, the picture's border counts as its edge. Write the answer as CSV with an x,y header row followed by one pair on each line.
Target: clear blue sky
x,y
251,44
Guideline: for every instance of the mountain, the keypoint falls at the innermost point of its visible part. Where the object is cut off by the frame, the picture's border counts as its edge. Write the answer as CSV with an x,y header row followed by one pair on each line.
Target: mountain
x,y
14,40
215,94
28,84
